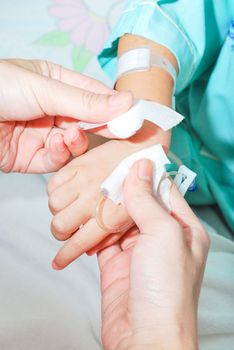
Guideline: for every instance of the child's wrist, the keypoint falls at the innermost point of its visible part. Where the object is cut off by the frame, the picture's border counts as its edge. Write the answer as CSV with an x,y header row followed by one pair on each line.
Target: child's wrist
x,y
148,136
155,85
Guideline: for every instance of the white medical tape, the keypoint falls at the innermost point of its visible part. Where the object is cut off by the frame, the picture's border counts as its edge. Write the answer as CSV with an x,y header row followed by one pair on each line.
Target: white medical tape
x,y
184,179
112,187
142,59
127,124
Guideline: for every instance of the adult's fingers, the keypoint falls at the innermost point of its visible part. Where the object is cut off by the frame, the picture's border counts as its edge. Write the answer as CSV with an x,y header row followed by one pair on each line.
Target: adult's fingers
x,y
182,212
150,216
52,158
76,140
67,76
63,176
139,199
126,240
58,98
70,77
82,241
46,94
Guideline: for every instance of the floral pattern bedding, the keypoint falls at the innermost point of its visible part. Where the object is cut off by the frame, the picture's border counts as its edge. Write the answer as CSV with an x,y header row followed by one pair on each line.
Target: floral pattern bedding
x,y
69,32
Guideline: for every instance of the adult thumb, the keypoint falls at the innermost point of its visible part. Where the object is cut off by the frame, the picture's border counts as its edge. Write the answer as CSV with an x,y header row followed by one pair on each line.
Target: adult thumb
x,y
139,199
61,99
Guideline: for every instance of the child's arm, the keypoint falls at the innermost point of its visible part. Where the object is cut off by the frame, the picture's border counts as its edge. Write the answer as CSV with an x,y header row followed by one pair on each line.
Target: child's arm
x,y
155,85
74,191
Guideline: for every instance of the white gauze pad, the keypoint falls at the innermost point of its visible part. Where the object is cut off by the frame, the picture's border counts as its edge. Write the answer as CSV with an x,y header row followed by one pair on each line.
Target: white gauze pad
x,y
112,187
127,124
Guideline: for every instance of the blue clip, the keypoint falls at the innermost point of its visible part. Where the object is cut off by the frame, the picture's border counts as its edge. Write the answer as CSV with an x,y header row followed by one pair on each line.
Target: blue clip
x,y
193,187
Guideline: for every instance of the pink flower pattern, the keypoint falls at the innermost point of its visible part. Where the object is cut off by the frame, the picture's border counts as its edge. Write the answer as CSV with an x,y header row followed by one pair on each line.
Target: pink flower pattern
x,y
85,27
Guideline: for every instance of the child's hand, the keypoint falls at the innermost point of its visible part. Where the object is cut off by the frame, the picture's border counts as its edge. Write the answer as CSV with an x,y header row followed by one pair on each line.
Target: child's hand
x,y
74,193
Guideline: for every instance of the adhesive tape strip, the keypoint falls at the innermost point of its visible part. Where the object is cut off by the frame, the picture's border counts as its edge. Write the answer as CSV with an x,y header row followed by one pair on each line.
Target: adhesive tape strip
x,y
130,122
112,186
163,116
134,59
142,59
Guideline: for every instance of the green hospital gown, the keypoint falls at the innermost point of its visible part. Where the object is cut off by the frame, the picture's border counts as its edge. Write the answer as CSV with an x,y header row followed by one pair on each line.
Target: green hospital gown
x,y
201,35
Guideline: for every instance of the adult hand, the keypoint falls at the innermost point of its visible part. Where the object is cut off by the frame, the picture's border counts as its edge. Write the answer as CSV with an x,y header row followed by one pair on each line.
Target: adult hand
x,y
151,280
36,99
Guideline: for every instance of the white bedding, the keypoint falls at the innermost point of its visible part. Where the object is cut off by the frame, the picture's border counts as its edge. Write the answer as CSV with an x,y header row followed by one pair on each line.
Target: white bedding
x,y
41,309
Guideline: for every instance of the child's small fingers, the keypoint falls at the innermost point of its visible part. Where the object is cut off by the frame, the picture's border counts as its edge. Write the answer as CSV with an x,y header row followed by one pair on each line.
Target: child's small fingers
x,y
107,242
61,177
76,140
82,241
63,196
70,219
125,240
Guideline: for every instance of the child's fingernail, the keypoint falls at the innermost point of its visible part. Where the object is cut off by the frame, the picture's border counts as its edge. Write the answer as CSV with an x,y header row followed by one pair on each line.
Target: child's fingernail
x,y
55,266
145,170
119,99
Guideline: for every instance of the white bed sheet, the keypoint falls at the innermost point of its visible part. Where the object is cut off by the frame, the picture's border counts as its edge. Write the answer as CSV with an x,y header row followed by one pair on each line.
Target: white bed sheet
x,y
41,309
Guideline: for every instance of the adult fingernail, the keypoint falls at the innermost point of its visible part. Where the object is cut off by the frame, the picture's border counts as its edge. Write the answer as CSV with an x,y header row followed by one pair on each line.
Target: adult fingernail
x,y
120,99
145,170
61,147
77,140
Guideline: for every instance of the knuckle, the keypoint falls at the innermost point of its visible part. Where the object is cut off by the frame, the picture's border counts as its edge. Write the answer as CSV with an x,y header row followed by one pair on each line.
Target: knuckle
x,y
52,184
92,100
44,67
50,70
58,228
54,203
87,99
